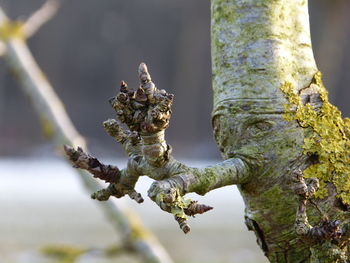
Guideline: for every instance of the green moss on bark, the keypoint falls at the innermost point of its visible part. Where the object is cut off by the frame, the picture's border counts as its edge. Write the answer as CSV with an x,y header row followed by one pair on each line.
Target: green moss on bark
x,y
281,216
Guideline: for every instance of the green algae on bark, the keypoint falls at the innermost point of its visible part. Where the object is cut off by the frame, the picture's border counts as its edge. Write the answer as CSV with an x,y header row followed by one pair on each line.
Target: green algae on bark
x,y
327,138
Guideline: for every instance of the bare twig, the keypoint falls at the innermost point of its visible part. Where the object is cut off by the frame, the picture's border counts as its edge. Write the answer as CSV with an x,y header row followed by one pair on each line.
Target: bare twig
x,y
51,110
40,17
146,113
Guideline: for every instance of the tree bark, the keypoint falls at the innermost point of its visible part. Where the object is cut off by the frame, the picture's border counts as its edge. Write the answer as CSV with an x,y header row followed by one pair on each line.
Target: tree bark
x,y
257,47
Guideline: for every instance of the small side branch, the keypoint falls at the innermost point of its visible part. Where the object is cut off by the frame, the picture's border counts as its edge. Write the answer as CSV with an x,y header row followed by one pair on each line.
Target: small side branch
x,y
142,116
130,140
326,229
108,173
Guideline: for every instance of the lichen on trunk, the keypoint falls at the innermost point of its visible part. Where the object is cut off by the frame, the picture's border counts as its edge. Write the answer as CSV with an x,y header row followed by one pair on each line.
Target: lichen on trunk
x,y
259,48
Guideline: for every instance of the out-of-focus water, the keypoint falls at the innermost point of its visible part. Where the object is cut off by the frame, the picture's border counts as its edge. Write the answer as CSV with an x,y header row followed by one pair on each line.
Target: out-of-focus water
x,y
42,202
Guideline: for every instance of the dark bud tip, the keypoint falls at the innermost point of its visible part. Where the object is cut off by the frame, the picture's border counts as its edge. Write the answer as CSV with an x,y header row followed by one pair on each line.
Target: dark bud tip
x,y
186,229
140,94
208,208
195,208
123,86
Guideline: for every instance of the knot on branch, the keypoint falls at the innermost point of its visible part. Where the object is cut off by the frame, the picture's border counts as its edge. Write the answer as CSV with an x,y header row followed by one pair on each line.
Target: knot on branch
x,y
145,110
326,229
304,188
142,117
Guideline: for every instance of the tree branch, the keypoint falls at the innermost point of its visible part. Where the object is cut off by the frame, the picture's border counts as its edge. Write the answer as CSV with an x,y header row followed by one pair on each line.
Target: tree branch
x,y
40,17
51,110
146,114
326,229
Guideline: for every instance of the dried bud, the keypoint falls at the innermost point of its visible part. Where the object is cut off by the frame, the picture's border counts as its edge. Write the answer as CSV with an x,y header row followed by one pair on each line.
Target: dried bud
x,y
143,73
156,115
149,88
123,87
326,230
131,94
141,95
195,208
122,97
145,110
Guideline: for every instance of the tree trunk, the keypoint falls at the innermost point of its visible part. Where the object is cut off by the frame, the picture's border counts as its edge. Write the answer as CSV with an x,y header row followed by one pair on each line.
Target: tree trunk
x,y
264,73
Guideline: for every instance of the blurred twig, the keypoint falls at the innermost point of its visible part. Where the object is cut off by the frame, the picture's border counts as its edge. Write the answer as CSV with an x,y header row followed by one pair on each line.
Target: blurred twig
x,y
2,48
55,119
40,17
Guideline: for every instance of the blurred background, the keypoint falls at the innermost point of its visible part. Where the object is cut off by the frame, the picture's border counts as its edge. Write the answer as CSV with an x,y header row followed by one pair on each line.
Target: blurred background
x,y
85,50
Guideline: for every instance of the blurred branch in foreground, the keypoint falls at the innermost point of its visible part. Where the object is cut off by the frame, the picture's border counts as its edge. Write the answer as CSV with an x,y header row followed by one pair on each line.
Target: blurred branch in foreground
x,y
56,122
40,17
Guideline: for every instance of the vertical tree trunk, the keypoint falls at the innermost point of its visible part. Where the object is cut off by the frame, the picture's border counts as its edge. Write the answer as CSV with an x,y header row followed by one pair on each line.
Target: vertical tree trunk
x,y
263,70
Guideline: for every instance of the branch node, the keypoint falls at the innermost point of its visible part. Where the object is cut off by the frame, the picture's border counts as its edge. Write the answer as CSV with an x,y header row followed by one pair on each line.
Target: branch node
x,y
326,229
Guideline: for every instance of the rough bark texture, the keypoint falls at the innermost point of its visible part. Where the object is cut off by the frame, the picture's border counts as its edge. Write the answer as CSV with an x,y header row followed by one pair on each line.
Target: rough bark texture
x,y
270,114
257,47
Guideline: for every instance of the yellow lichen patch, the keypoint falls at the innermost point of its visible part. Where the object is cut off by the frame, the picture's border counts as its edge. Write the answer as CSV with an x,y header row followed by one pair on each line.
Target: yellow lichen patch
x,y
329,139
9,29
177,206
